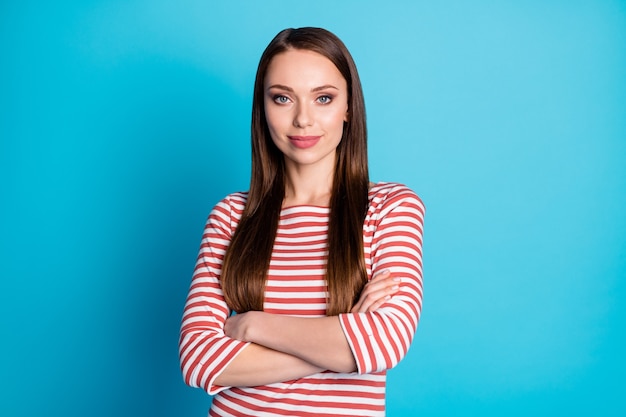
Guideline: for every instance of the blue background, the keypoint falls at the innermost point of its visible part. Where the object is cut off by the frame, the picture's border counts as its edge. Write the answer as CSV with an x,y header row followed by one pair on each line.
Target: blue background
x,y
123,122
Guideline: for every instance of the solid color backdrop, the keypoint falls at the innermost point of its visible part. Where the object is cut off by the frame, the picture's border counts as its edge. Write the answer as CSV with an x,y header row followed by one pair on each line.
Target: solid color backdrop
x,y
123,122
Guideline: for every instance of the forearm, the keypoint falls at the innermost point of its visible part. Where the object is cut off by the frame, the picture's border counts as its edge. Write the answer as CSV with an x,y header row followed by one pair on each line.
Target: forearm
x,y
318,341
258,365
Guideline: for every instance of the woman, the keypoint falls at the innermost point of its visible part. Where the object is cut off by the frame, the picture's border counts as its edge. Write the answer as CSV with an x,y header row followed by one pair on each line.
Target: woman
x,y
322,266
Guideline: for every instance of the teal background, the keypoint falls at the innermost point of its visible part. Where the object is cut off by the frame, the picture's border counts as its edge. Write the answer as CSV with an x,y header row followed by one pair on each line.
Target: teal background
x,y
123,122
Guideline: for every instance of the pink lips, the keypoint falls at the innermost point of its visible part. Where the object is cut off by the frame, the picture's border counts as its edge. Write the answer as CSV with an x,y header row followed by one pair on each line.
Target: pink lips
x,y
304,142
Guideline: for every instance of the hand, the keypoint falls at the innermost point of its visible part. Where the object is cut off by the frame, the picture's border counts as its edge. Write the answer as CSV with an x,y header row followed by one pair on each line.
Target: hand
x,y
240,326
376,292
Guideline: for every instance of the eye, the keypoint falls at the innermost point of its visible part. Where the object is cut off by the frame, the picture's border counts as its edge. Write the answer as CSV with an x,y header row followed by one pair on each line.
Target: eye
x,y
280,99
324,99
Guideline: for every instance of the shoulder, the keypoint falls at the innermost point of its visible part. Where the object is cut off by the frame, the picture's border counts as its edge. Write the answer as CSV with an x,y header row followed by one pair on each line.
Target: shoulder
x,y
385,196
229,209
234,201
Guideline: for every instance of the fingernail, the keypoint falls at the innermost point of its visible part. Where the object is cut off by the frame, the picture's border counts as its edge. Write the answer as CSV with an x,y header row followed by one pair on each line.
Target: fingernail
x,y
396,279
395,287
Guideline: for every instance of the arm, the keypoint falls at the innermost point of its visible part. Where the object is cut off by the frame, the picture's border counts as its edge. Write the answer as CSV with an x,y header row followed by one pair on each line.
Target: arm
x,y
369,339
319,341
380,339
210,359
258,365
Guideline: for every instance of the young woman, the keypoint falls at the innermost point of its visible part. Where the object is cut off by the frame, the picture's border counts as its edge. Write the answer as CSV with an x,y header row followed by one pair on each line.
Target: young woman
x,y
322,267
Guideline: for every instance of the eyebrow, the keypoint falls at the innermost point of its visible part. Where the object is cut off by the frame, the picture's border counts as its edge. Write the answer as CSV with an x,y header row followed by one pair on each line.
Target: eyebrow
x,y
313,90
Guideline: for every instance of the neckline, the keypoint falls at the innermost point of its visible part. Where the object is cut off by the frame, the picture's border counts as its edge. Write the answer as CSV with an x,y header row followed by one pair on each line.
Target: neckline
x,y
298,206
372,190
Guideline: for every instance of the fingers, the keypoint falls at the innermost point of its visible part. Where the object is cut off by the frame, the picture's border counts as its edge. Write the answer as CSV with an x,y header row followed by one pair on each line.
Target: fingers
x,y
376,292
378,303
380,276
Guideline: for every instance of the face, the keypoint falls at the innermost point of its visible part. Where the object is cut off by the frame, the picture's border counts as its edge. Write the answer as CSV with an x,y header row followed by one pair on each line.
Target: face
x,y
306,105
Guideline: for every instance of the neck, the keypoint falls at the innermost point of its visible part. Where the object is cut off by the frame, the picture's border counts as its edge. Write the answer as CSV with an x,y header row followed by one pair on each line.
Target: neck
x,y
304,186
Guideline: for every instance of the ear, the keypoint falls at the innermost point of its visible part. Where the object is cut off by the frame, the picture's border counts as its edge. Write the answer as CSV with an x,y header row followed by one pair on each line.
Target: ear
x,y
346,117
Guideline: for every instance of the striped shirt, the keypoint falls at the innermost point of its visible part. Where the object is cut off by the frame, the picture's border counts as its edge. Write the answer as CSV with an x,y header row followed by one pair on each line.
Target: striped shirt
x,y
392,236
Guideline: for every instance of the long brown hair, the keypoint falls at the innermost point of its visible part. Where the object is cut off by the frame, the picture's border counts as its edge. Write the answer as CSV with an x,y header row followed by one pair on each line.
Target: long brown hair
x,y
247,259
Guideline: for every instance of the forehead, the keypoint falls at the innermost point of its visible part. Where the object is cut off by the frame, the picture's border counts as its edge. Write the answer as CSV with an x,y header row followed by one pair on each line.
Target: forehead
x,y
302,68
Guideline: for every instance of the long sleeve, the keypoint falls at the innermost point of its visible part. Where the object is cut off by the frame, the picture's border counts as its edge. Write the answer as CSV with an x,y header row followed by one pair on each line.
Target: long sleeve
x,y
380,339
203,348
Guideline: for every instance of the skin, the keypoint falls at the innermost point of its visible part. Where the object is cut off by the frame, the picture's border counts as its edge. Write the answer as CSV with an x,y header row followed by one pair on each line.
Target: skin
x,y
306,97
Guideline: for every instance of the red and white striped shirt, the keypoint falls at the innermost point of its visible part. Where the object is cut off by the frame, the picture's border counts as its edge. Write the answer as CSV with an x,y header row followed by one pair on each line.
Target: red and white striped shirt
x,y
392,236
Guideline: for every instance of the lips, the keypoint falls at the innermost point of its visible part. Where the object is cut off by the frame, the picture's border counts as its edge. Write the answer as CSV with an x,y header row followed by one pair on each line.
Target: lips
x,y
304,142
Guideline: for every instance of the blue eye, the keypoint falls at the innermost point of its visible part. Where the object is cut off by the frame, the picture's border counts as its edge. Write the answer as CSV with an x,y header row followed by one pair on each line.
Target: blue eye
x,y
324,99
280,99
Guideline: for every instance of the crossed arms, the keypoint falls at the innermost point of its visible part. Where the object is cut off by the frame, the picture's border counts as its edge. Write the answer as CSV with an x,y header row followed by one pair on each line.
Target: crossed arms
x,y
218,350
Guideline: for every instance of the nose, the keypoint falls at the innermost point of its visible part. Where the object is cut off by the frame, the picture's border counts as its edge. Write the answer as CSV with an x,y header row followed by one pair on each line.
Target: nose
x,y
303,116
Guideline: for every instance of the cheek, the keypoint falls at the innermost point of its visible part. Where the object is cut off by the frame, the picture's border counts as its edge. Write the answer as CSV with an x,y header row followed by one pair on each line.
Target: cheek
x,y
335,120
274,125
276,118
270,119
